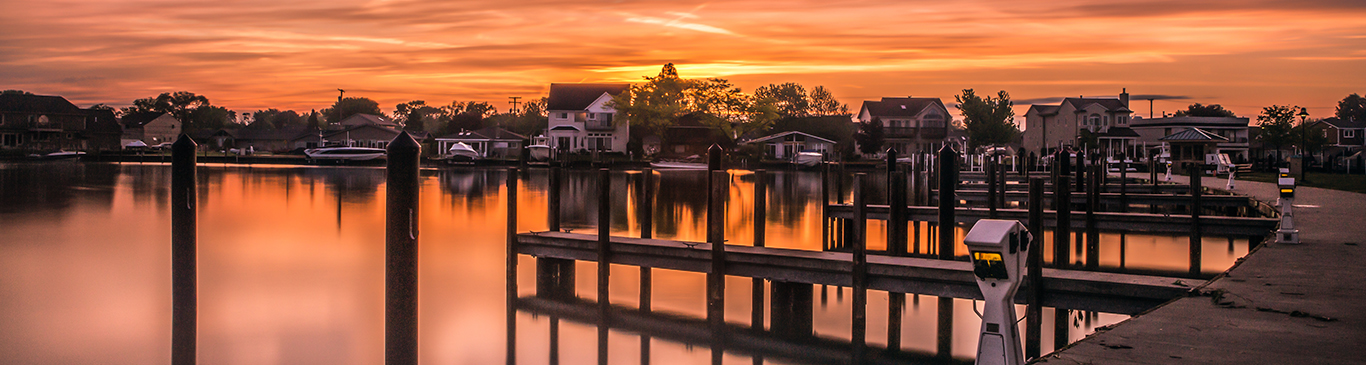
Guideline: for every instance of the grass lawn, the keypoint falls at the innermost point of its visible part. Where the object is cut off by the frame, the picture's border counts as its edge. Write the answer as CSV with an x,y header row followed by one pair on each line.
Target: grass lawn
x,y
1354,183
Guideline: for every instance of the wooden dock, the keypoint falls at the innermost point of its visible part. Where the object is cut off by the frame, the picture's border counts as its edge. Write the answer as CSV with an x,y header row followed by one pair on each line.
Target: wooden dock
x,y
1106,221
1070,289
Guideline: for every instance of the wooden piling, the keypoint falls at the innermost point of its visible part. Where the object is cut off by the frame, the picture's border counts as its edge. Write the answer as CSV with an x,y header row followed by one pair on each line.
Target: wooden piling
x,y
400,322
790,308
604,238
859,270
716,279
1062,230
553,200
1123,187
1196,245
948,182
825,203
944,340
1093,234
511,229
896,201
896,302
1034,265
646,276
1062,324
991,187
756,319
184,251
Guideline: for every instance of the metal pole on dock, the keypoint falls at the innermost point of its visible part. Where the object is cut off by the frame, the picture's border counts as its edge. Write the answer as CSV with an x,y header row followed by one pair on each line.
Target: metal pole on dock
x,y
948,181
511,265
1034,296
1093,234
1195,171
184,252
400,314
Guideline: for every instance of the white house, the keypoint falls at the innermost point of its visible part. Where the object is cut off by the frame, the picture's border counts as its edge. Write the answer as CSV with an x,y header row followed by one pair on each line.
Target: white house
x,y
1049,126
580,118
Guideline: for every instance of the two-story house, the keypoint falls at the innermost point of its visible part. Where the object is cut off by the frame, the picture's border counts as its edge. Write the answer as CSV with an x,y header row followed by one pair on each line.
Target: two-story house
x,y
40,122
152,128
1234,129
909,124
581,118
1048,127
1343,139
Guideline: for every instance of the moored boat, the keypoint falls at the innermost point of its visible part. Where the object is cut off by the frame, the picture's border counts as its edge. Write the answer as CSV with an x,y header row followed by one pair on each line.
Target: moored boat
x,y
807,159
340,154
461,152
538,152
59,155
668,165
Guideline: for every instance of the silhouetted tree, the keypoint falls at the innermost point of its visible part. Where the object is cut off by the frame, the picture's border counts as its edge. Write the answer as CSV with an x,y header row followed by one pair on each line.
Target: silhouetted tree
x,y
351,106
1352,107
870,136
1212,110
987,121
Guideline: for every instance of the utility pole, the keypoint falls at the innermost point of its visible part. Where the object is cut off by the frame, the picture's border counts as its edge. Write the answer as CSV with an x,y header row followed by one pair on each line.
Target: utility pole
x,y
514,103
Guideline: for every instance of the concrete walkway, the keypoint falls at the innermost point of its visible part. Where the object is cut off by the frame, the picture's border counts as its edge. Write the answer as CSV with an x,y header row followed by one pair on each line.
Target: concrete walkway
x,y
1282,304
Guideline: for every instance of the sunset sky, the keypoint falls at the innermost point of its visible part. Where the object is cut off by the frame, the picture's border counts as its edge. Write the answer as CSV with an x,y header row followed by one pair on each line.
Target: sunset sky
x,y
253,54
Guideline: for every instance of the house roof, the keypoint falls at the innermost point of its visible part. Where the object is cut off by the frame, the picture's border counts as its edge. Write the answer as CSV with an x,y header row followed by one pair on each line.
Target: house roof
x,y
1348,124
785,134
1120,132
136,120
1223,122
1193,135
899,107
579,96
1045,109
1107,103
371,119
42,104
489,133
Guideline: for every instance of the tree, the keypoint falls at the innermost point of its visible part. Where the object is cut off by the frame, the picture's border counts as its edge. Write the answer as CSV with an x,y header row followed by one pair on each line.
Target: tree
x,y
313,123
1212,110
1352,107
788,98
870,136
1276,122
418,116
15,92
347,107
179,104
988,121
102,106
211,117
824,104
1307,138
656,104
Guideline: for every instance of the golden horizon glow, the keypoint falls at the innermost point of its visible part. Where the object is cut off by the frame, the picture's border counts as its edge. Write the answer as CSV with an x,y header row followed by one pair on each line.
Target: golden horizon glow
x,y
252,54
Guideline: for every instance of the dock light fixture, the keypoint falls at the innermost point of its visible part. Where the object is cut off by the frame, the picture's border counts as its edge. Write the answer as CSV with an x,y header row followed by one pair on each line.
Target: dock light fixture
x,y
999,249
1287,234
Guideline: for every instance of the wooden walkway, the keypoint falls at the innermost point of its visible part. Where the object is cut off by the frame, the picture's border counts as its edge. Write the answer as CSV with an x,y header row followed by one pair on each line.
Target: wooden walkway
x,y
1069,289
1105,221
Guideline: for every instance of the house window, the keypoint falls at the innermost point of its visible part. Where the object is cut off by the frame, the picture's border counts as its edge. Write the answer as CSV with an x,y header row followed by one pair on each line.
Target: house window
x,y
1325,133
1348,133
10,140
1123,120
592,116
1106,119
564,115
1094,120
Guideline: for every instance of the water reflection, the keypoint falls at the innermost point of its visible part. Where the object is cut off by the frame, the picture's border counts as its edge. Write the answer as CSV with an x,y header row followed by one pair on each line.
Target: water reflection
x,y
292,271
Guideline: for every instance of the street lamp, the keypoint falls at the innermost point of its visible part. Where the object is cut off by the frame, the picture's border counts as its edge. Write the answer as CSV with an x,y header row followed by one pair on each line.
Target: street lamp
x,y
1304,148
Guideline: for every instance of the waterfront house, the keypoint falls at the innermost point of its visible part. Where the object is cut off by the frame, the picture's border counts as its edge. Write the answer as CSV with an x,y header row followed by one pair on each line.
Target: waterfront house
x,y
581,118
1190,146
32,123
1152,130
1343,138
152,128
490,142
366,119
785,145
1048,127
909,124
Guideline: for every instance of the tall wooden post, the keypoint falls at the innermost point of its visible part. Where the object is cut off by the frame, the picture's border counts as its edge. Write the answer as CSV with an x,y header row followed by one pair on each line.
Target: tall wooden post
x,y
1062,206
1034,296
896,205
646,276
1124,187
1196,236
948,182
716,279
511,230
1093,234
859,270
184,252
756,319
604,239
991,187
400,315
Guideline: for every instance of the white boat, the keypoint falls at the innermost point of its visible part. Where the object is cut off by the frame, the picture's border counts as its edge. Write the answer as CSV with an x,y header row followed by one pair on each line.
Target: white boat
x,y
344,153
538,152
59,155
462,152
807,159
666,165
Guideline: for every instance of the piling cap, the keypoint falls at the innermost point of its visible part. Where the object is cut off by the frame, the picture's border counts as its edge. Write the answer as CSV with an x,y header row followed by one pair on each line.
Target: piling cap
x,y
184,143
404,143
714,157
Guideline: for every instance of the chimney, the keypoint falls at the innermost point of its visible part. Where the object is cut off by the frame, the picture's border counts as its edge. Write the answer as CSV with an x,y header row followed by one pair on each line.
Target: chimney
x,y
1124,97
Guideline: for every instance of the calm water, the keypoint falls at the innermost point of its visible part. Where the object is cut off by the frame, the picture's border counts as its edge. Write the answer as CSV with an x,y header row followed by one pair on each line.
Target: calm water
x,y
291,266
